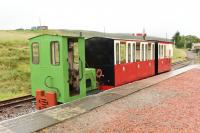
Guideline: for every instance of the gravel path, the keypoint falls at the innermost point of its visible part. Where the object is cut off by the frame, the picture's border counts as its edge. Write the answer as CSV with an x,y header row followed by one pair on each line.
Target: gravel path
x,y
170,106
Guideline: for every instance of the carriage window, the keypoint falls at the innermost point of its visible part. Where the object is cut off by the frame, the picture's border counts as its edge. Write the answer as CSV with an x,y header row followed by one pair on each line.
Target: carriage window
x,y
137,51
129,52
133,52
122,53
165,51
35,53
149,51
146,51
117,53
153,51
170,53
142,52
160,51
55,53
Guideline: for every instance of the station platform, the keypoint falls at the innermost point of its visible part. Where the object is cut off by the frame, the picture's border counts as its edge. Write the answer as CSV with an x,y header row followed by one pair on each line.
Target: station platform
x,y
51,116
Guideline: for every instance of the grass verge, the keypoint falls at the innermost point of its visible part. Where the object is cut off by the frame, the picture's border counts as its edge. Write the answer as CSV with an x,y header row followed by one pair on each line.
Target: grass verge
x,y
178,54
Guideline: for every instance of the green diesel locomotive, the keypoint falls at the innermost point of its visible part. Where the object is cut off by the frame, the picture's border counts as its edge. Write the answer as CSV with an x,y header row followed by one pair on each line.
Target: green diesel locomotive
x,y
58,72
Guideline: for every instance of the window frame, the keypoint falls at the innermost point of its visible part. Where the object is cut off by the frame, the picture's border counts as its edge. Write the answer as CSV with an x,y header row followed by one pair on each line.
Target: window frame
x,y
165,51
33,53
142,51
133,52
146,51
161,51
115,52
149,51
51,43
138,45
123,45
153,51
129,59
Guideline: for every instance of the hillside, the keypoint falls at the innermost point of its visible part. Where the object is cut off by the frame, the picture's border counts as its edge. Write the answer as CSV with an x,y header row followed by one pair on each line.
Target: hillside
x,y
14,60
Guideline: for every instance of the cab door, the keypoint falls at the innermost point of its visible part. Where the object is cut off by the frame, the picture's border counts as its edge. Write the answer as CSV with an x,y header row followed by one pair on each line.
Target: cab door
x,y
76,68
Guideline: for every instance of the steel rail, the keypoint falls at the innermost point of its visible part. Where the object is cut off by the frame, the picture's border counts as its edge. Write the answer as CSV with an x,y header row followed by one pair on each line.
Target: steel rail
x,y
15,101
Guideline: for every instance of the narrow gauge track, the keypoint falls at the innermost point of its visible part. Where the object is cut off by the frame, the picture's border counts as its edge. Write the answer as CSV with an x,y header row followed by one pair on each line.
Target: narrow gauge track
x,y
180,62
15,101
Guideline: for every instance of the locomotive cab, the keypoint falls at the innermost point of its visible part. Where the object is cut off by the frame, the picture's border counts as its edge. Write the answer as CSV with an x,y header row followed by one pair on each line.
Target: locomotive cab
x,y
58,73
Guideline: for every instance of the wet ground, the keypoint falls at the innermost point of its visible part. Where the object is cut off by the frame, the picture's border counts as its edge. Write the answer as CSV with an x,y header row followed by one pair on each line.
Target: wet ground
x,y
170,106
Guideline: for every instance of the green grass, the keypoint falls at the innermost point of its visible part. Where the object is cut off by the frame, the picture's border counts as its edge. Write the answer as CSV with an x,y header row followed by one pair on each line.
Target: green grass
x,y
178,54
14,64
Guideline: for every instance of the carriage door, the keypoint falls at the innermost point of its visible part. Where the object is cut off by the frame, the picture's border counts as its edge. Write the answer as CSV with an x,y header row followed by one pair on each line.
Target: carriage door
x,y
120,62
76,67
123,50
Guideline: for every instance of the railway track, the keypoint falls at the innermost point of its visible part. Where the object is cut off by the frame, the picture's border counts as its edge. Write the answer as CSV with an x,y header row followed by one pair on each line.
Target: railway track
x,y
16,101
180,64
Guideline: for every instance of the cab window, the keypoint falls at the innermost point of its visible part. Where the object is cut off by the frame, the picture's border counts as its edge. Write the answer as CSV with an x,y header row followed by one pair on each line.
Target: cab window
x,y
35,53
55,53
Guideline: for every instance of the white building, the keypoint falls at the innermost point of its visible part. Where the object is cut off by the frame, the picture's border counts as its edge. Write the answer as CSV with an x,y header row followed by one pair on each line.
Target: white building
x,y
195,46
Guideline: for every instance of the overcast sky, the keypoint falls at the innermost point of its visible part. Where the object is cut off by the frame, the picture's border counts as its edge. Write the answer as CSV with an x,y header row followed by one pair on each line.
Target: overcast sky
x,y
158,17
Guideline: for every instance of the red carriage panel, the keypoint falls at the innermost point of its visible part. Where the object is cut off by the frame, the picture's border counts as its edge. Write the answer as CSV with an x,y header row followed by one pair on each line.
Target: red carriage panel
x,y
125,73
164,65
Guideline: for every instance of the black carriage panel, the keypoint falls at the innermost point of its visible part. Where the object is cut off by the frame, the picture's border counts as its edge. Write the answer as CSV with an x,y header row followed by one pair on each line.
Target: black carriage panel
x,y
99,51
100,55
